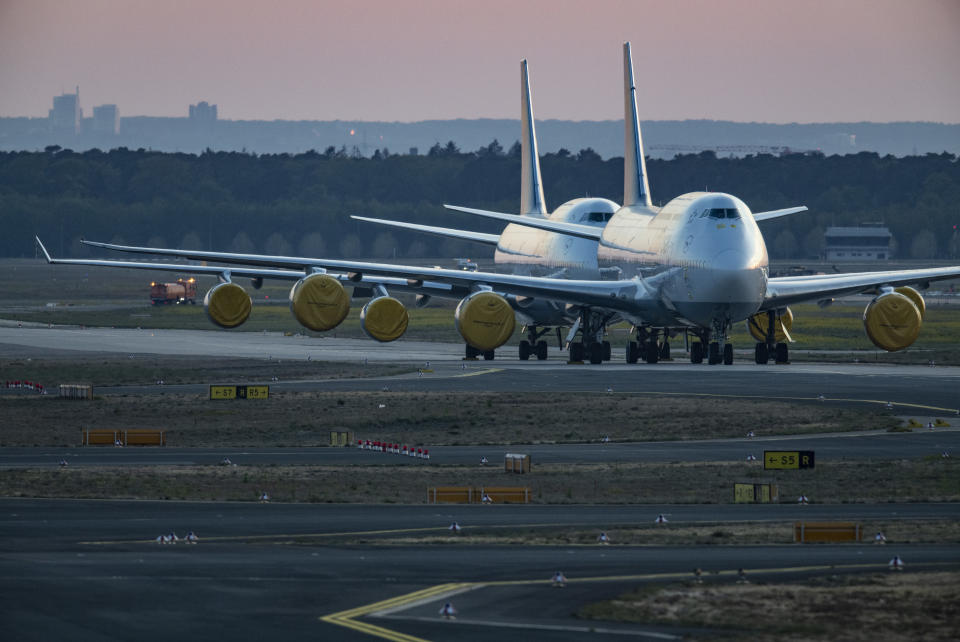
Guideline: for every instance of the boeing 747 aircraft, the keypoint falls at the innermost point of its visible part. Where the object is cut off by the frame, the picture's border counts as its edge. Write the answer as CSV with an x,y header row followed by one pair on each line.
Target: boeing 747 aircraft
x,y
695,266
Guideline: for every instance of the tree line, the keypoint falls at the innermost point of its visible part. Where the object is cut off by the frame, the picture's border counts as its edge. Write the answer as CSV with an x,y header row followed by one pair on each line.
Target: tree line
x,y
301,203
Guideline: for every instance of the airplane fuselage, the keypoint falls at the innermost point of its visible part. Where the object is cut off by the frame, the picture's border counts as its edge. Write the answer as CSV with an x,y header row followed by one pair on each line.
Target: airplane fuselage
x,y
702,255
533,252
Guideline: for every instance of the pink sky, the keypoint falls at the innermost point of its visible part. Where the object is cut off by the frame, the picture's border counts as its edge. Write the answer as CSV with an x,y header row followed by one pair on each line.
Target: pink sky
x,y
743,60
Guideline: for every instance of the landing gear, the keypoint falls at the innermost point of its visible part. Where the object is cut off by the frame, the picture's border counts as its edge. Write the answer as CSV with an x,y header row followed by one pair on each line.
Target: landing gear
x,y
596,353
541,350
718,334
713,357
488,355
652,351
633,351
524,350
576,352
761,354
727,354
696,352
591,326
533,346
472,353
665,350
782,353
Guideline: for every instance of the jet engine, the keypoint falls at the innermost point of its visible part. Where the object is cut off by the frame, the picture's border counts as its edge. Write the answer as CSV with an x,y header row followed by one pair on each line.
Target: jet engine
x,y
757,325
319,302
916,298
892,320
485,320
384,319
227,305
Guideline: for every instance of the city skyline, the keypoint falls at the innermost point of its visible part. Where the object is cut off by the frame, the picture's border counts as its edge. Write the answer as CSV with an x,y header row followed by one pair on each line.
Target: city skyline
x,y
743,60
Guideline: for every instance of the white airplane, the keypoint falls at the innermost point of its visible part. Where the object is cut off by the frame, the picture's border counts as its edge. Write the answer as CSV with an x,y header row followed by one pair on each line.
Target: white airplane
x,y
521,249
697,265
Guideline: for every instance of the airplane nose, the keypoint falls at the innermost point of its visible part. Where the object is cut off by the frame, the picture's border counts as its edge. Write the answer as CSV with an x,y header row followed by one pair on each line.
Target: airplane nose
x,y
736,281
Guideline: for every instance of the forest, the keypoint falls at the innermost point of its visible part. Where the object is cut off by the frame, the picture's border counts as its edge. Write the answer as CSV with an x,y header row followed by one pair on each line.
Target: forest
x,y
301,203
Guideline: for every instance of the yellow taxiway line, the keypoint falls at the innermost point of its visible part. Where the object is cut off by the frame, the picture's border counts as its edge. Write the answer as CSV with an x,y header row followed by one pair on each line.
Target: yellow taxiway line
x,y
478,372
439,591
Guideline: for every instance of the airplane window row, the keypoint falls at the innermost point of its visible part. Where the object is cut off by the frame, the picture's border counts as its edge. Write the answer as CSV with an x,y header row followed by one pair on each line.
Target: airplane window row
x,y
599,217
719,212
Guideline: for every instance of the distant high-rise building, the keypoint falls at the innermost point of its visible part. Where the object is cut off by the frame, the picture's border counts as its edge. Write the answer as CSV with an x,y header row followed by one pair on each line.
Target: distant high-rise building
x,y
66,114
203,113
106,119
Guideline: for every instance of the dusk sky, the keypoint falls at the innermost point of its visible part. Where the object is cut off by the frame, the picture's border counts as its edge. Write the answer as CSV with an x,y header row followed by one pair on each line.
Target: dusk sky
x,y
394,60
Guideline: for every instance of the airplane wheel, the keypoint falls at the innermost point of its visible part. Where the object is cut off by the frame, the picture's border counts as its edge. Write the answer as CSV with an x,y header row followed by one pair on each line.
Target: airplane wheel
x,y
606,350
696,352
665,351
488,355
761,354
783,353
652,353
727,354
576,352
633,351
472,353
524,350
541,350
596,353
714,355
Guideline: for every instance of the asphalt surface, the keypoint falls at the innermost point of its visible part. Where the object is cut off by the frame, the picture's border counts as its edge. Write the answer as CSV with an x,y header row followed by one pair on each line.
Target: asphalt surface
x,y
89,570
919,389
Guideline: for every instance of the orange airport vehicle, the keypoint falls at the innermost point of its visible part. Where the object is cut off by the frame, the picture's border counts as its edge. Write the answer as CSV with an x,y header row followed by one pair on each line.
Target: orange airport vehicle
x,y
183,291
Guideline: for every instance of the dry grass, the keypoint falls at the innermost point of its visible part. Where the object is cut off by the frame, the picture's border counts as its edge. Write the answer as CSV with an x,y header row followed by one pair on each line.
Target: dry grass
x,y
715,534
430,418
143,369
875,606
931,479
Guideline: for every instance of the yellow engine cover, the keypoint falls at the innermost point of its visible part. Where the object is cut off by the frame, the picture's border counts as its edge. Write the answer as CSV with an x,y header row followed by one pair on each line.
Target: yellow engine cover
x,y
485,320
892,321
757,325
319,302
914,296
227,305
384,319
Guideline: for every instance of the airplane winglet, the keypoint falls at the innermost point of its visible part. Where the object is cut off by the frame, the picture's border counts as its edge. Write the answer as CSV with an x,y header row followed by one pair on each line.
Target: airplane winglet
x,y
43,249
763,216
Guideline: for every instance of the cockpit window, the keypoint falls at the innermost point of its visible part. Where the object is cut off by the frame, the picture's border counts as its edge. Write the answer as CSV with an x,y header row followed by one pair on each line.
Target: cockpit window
x,y
718,212
607,216
595,217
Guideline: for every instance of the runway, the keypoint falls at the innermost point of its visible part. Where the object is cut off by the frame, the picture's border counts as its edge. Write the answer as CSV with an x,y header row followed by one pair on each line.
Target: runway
x,y
88,570
931,391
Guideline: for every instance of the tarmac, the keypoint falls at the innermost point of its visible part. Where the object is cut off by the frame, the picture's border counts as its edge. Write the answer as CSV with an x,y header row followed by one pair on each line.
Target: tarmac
x,y
91,570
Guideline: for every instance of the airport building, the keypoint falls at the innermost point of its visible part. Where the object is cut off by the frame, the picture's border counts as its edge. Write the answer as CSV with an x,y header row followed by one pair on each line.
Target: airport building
x,y
66,115
870,242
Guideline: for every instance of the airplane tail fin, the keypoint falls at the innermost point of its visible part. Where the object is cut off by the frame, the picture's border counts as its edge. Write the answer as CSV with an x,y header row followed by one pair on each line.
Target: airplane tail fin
x,y
636,190
531,187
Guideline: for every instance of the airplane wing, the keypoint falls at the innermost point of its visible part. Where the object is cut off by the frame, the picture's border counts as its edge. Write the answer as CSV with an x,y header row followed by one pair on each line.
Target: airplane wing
x,y
443,290
604,294
787,290
478,237
570,229
765,216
